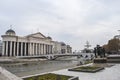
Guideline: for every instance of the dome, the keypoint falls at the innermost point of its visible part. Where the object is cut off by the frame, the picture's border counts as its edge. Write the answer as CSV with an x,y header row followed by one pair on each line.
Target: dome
x,y
49,37
10,32
63,44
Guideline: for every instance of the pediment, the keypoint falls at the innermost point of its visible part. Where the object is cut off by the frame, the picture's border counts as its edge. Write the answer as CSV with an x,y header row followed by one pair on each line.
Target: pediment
x,y
37,35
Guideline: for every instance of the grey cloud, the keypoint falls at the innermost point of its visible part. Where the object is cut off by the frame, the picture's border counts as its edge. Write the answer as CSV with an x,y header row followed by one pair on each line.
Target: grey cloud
x,y
72,21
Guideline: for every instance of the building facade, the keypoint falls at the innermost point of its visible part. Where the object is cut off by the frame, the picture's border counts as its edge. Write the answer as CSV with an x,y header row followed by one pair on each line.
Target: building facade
x,y
57,47
69,49
61,48
30,45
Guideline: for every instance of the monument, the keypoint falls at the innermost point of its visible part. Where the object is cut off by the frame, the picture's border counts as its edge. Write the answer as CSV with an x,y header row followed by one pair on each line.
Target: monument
x,y
100,56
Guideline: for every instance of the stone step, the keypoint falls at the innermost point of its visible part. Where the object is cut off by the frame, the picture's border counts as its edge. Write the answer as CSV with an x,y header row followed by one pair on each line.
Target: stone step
x,y
100,60
113,57
113,60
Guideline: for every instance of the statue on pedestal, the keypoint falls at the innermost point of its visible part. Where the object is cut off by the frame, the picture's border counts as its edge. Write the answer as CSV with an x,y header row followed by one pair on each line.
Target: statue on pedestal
x,y
99,51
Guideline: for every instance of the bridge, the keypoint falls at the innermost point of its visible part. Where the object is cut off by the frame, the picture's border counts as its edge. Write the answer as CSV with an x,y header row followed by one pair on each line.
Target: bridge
x,y
54,56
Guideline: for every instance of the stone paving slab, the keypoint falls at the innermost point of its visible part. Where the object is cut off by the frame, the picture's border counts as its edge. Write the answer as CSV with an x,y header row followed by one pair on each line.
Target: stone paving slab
x,y
6,75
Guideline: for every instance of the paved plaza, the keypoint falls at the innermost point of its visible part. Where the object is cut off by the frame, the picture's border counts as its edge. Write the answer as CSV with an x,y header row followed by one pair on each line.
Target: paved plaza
x,y
109,73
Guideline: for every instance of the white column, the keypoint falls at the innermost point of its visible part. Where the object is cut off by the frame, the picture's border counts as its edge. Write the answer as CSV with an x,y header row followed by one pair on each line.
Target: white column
x,y
3,48
36,49
17,48
21,48
49,49
42,48
25,50
6,54
10,48
39,49
46,49
33,49
14,49
30,50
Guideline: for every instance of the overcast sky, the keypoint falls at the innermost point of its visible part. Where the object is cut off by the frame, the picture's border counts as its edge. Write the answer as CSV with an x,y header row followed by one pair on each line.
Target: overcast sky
x,y
71,21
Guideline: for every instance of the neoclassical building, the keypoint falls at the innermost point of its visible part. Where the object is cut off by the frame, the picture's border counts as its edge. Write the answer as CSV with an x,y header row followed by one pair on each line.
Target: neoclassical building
x,y
30,45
